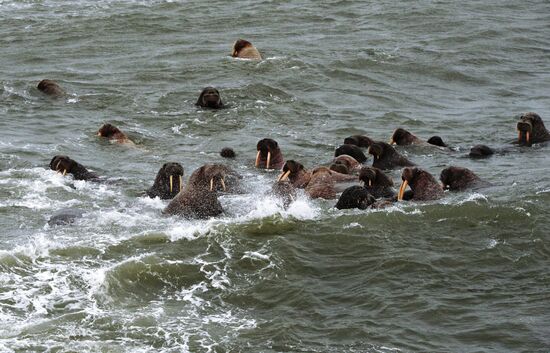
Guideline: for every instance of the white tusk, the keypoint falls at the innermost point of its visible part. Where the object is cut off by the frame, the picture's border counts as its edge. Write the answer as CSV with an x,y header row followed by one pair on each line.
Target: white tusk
x,y
171,183
212,184
181,182
257,159
268,160
223,184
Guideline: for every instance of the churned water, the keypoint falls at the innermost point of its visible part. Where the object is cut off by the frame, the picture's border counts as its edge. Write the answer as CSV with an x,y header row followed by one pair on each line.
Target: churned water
x,y
467,273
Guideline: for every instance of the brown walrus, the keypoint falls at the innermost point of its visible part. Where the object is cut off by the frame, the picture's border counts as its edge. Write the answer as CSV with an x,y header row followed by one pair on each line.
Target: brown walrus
x,y
358,140
163,187
64,165
386,157
351,150
402,137
531,130
296,173
51,88
245,50
321,184
351,163
458,178
377,183
210,98
423,185
113,133
269,154
199,198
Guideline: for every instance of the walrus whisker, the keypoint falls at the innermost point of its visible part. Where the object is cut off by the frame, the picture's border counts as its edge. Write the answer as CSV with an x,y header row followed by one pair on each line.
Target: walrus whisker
x,y
181,182
402,190
268,160
171,183
257,159
212,184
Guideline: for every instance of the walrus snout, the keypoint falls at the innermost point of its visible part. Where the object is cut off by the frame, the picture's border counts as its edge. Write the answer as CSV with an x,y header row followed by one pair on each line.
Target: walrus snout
x,y
269,155
62,164
525,129
210,98
173,171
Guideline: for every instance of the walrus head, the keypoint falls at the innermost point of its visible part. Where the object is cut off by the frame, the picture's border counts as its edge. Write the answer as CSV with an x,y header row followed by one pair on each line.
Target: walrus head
x,y
423,185
531,129
351,150
64,165
269,155
358,140
168,182
295,173
227,152
374,177
458,178
386,157
109,131
481,151
402,137
50,88
210,98
239,45
339,167
209,177
436,141
355,197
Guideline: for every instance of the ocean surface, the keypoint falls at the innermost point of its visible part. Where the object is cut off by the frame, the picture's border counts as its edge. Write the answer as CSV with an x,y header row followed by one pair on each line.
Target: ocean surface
x,y
467,273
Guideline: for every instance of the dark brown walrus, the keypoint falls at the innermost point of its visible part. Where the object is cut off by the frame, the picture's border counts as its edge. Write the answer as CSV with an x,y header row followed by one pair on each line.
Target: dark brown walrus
x,y
114,134
199,199
51,88
245,50
423,185
458,179
168,182
402,137
386,157
269,155
210,98
355,197
531,130
376,182
64,165
358,140
295,173
351,150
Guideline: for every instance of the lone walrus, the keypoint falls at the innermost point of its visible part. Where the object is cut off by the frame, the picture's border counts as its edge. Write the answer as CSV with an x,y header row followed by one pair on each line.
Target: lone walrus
x,y
51,88
243,49
210,98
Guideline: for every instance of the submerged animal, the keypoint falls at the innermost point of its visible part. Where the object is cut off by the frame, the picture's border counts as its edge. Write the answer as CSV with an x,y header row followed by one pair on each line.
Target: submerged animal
x,y
199,198
64,165
355,197
168,182
285,191
351,163
210,98
51,88
376,182
481,151
351,150
402,137
113,133
458,179
245,50
358,140
227,152
437,141
386,157
269,155
65,216
531,130
423,185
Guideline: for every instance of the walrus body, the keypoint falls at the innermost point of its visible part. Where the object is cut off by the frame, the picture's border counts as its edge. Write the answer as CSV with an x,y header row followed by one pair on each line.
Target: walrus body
x,y
295,172
113,133
351,150
321,184
199,198
51,88
376,182
210,98
355,197
269,155
458,179
65,216
402,137
386,157
423,185
64,165
531,130
243,49
359,141
168,182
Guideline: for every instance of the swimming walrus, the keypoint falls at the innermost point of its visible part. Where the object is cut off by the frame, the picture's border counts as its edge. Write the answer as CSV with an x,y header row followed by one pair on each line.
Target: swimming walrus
x,y
168,182
358,140
51,88
269,155
423,185
481,151
295,173
199,198
458,179
531,130
355,197
321,184
64,165
210,98
402,137
113,133
339,167
377,183
228,152
351,150
386,157
245,50
285,191
351,163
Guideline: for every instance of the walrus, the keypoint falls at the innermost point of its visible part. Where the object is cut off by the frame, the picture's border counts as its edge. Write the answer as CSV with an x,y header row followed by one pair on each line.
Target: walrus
x,y
164,186
245,50
358,140
321,184
386,157
227,152
458,179
355,197
481,151
351,150
51,88
339,167
113,133
437,141
296,173
377,183
402,137
269,154
423,185
65,216
210,98
351,163
531,130
285,191
64,165
199,198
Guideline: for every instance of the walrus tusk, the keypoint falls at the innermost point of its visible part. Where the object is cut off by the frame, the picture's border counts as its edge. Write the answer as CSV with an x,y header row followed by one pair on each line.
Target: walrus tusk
x,y
370,182
223,184
268,160
64,172
402,190
392,142
57,166
291,197
527,136
212,184
257,159
98,134
171,183
283,176
181,182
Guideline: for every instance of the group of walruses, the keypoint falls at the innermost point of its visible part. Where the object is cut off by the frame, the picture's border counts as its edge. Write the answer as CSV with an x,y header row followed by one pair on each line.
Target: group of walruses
x,y
373,188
